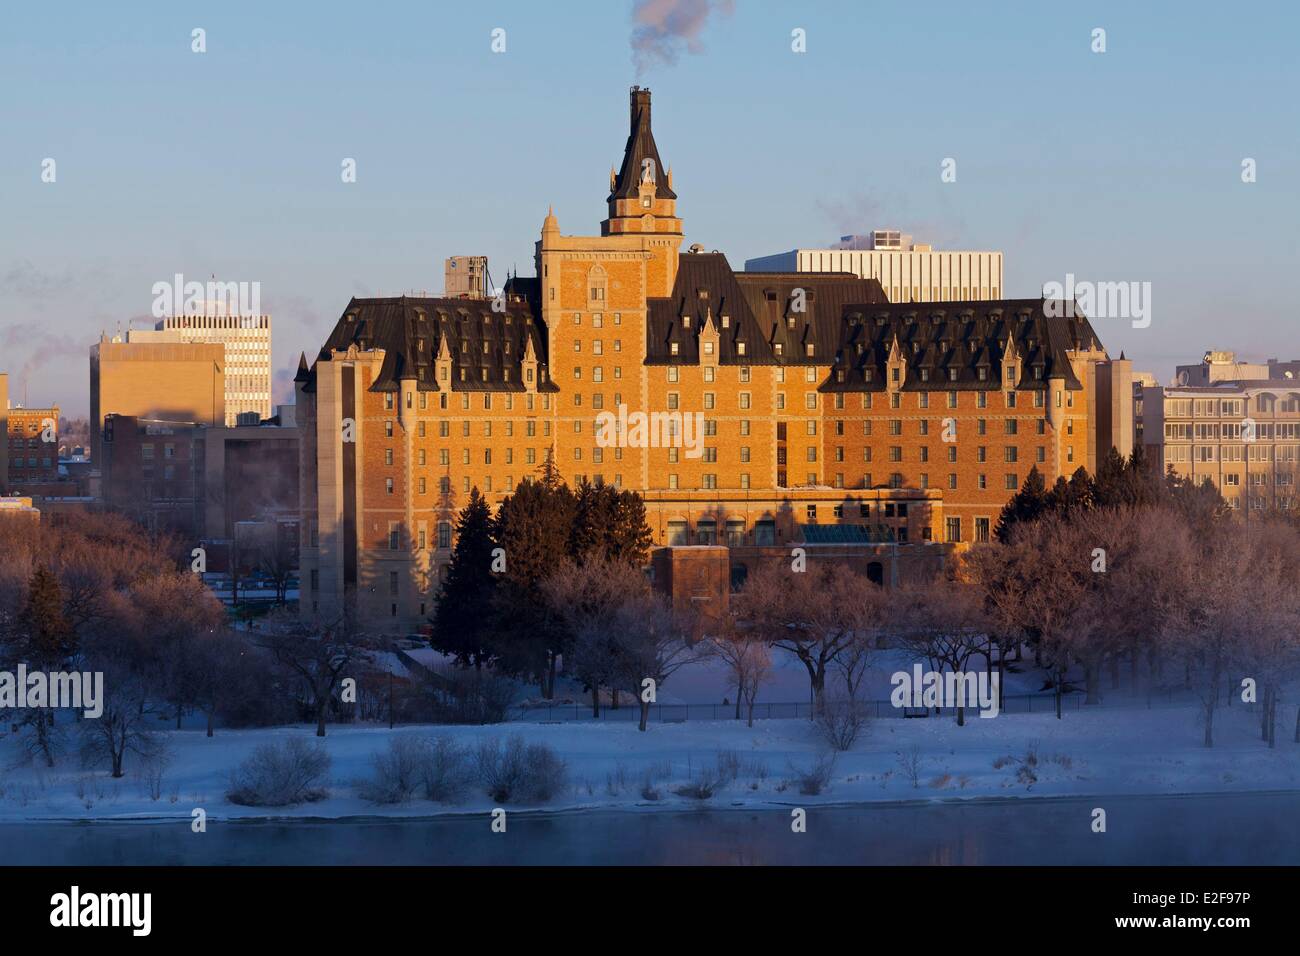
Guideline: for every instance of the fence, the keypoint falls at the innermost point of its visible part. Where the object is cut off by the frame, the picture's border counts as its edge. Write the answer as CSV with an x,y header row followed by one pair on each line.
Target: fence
x,y
679,713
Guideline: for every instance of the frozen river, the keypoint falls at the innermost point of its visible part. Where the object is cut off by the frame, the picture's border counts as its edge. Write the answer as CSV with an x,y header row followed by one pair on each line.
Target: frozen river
x,y
1243,829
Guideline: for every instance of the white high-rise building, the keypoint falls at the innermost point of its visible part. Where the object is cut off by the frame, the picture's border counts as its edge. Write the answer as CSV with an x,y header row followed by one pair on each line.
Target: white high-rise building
x,y
908,271
247,341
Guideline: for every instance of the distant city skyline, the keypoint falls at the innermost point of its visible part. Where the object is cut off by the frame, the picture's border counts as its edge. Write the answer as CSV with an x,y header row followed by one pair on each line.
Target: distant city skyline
x,y
1123,166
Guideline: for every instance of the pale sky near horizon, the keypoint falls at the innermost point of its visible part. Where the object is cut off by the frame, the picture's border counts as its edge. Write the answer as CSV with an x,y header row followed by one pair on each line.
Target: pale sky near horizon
x,y
1115,166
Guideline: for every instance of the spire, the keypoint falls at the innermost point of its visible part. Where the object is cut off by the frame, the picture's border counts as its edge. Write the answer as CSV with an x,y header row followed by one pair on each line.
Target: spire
x,y
640,147
303,372
550,223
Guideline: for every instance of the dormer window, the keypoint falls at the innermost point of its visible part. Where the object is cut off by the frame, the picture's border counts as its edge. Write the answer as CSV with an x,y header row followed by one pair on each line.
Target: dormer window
x,y
686,321
701,294
982,373
740,348
673,348
867,374
708,348
1038,372
726,320
808,350
776,347
646,201
925,375
952,375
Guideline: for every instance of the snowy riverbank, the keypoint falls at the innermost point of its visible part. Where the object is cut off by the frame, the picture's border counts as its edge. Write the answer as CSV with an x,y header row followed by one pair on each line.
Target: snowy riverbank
x,y
614,766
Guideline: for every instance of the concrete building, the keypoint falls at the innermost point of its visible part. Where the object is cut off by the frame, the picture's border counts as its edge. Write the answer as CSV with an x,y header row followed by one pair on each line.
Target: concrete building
x,y
165,381
1243,436
822,407
907,271
246,362
250,473
465,277
1223,366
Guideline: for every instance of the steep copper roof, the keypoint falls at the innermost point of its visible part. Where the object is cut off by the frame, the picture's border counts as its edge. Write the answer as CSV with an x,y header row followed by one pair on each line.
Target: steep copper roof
x,y
947,344
485,344
838,319
775,315
640,146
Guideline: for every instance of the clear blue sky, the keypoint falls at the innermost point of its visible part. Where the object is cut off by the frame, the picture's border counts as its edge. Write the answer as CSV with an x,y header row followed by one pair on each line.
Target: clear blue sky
x,y
1116,166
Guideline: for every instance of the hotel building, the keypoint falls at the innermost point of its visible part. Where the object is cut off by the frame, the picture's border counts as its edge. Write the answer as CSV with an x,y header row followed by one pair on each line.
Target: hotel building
x,y
827,413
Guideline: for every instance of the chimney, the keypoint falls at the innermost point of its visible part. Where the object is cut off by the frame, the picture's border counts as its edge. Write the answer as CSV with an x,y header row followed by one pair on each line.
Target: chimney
x,y
640,103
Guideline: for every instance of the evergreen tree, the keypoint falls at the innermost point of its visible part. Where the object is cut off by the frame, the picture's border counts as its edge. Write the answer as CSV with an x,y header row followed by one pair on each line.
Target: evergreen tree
x,y
630,537
1068,498
47,639
609,525
534,526
1111,487
1027,504
461,622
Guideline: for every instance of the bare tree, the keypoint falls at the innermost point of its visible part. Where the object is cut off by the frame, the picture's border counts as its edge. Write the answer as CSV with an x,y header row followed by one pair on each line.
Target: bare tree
x,y
814,615
652,644
278,560
586,599
222,661
749,660
941,622
318,654
128,714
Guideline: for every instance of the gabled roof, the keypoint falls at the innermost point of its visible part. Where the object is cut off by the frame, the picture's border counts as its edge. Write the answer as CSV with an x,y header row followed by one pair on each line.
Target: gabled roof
x,y
412,330
640,146
945,344
760,310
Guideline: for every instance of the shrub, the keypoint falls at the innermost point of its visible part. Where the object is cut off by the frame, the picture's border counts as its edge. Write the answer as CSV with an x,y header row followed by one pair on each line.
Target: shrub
x,y
470,697
531,773
910,762
279,775
397,771
446,773
817,777
841,722
703,786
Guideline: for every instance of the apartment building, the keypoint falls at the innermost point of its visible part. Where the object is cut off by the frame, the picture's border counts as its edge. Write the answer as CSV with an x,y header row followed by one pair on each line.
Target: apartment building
x,y
1243,436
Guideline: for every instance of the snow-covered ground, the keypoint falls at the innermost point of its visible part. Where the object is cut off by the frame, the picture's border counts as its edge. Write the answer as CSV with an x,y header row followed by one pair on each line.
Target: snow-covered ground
x,y
1110,750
